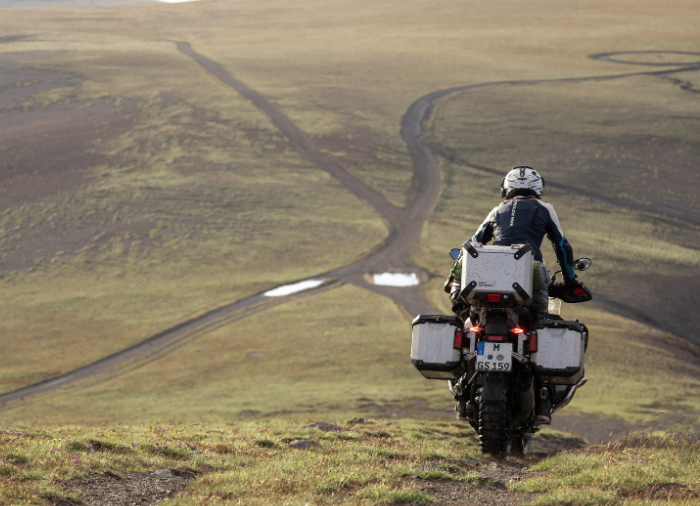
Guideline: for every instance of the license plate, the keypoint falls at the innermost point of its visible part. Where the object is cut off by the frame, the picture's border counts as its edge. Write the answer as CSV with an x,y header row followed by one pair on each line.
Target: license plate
x,y
494,356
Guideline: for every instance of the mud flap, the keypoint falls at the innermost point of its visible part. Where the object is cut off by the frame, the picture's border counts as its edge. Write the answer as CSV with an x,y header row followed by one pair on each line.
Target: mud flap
x,y
495,387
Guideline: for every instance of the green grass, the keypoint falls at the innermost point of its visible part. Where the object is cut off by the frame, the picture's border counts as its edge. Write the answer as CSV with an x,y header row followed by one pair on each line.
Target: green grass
x,y
201,202
350,467
658,468
322,355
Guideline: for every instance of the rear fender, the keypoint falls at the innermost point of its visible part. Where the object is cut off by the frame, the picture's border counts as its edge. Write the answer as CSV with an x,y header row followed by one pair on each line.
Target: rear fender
x,y
495,386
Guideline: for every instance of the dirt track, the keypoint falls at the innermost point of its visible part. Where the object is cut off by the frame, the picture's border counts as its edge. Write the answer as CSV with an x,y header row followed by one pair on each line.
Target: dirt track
x,y
394,254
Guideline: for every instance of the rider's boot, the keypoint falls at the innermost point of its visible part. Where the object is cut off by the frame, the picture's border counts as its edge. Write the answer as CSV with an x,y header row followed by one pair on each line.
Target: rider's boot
x,y
471,411
458,305
465,411
543,407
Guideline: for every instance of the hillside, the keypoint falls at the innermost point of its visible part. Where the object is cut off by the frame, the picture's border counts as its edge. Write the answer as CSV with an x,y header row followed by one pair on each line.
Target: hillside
x,y
163,166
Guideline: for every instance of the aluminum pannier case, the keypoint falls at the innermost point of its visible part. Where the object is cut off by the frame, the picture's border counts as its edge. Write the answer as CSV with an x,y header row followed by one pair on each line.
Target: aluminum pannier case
x,y
436,346
497,272
560,349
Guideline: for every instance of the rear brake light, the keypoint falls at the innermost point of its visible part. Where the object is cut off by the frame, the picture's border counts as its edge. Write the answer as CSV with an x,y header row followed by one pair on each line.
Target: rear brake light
x,y
494,297
518,330
533,343
495,338
458,339
476,330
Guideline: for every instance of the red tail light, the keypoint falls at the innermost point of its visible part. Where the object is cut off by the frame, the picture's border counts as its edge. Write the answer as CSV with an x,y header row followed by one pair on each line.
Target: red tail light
x,y
458,339
517,330
476,330
494,297
533,343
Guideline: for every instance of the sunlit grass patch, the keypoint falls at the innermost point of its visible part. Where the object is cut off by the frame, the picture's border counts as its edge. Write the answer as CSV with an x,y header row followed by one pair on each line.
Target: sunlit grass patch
x,y
230,464
386,495
228,375
641,468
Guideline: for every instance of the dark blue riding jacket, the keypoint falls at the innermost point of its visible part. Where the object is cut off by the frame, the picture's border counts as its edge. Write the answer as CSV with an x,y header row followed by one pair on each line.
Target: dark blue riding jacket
x,y
527,219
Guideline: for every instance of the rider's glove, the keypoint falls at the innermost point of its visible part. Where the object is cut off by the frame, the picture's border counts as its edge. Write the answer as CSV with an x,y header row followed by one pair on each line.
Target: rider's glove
x,y
571,283
569,291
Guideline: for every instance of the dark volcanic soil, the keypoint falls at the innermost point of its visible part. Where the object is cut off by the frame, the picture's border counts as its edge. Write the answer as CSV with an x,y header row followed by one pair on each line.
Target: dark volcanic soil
x,y
44,150
127,489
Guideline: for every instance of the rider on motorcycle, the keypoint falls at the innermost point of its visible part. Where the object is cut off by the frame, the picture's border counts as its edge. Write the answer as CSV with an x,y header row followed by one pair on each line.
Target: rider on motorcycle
x,y
523,218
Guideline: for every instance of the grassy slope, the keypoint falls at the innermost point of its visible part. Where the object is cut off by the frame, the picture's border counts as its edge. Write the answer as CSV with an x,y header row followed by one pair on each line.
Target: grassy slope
x,y
128,298
367,463
396,462
646,469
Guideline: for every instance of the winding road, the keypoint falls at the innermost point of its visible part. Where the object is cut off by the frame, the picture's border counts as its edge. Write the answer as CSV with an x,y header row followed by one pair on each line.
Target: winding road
x,y
394,254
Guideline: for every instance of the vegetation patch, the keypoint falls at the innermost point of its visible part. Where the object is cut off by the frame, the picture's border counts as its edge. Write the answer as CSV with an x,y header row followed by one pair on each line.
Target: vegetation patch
x,y
658,466
215,464
231,461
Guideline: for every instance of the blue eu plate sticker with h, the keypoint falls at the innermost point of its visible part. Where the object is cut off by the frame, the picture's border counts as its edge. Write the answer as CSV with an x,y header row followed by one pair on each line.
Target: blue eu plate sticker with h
x,y
480,349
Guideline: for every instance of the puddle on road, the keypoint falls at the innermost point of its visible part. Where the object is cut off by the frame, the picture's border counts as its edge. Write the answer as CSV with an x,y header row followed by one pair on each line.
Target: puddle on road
x,y
294,288
395,279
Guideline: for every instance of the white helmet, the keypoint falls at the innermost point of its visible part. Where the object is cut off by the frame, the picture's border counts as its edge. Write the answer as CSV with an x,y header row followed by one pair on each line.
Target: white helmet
x,y
525,178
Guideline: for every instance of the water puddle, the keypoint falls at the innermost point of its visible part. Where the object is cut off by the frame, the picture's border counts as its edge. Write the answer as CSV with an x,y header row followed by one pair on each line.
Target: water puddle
x,y
294,288
395,279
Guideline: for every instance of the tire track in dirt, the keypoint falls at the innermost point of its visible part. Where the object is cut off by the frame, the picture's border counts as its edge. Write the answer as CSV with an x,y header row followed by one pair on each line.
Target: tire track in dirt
x,y
165,342
300,141
168,340
394,254
406,225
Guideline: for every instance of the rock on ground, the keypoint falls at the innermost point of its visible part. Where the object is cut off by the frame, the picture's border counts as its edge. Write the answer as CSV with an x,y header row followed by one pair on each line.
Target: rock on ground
x,y
303,444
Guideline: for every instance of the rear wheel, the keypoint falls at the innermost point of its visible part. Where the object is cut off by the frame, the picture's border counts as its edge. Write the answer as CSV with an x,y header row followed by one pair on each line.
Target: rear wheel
x,y
494,425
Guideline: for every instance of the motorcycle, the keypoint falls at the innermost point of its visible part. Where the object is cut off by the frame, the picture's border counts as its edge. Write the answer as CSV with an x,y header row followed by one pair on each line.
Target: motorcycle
x,y
508,368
